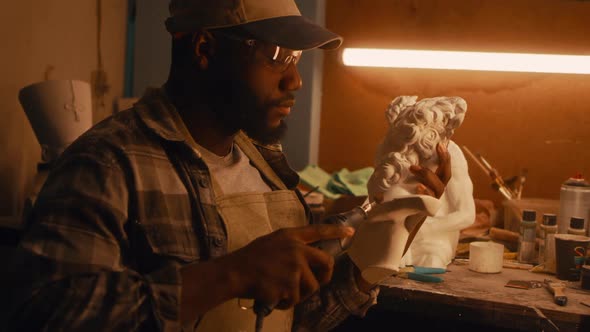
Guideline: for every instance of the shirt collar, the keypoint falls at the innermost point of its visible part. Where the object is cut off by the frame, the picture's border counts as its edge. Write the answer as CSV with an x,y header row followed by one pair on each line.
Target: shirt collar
x,y
159,114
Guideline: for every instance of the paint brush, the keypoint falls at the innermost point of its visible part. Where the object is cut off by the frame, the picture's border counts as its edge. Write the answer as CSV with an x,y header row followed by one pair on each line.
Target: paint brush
x,y
557,289
493,173
489,170
475,159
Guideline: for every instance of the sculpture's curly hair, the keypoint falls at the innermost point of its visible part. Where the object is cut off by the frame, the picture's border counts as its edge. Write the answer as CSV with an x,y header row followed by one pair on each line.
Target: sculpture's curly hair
x,y
415,128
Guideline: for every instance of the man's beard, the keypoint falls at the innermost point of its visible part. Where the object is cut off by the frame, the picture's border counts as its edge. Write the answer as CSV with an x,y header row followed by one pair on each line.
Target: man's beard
x,y
237,108
262,133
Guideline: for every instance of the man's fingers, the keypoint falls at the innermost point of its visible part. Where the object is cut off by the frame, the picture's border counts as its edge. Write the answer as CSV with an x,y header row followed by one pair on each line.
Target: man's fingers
x,y
443,171
309,284
423,190
321,263
434,183
292,294
378,197
429,180
313,233
316,269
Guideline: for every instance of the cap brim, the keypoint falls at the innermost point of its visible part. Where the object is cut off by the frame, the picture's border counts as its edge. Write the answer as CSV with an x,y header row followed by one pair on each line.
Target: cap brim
x,y
294,32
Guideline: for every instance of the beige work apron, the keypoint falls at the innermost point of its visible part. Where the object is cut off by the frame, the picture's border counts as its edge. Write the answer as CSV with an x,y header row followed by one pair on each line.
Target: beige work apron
x,y
247,216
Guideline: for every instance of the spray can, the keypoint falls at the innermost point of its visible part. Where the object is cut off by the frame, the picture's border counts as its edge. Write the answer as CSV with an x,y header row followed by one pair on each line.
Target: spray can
x,y
527,238
574,201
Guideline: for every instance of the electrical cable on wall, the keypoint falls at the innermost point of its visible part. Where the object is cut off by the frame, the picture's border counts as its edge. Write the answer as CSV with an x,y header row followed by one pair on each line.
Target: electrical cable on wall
x,y
98,32
99,77
130,47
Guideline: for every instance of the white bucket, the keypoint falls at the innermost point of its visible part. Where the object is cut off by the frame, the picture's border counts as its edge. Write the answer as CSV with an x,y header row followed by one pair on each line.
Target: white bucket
x,y
486,257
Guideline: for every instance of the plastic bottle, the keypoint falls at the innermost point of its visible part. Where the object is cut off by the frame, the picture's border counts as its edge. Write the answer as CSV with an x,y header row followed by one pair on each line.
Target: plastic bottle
x,y
547,244
574,200
576,226
527,238
585,277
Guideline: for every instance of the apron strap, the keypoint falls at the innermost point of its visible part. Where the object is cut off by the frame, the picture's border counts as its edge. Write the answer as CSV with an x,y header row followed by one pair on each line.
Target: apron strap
x,y
217,191
256,158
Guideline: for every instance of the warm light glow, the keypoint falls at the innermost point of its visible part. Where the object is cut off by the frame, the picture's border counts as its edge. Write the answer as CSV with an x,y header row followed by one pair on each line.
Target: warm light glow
x,y
515,62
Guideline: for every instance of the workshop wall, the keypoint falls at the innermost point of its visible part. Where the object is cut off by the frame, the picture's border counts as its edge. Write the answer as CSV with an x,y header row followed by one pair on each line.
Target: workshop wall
x,y
57,38
515,120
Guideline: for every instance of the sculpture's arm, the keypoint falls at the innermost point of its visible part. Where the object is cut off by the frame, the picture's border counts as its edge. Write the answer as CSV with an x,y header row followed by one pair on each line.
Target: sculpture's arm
x,y
380,180
458,209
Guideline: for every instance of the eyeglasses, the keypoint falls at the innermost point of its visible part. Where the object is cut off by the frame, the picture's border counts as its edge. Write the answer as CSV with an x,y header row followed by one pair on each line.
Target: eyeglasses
x,y
276,57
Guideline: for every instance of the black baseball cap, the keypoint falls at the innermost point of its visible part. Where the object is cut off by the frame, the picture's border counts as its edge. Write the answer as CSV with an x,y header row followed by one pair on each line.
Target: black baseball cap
x,y
273,21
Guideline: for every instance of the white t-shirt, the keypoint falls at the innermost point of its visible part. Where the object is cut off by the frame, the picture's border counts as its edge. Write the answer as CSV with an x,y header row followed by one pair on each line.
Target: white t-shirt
x,y
233,172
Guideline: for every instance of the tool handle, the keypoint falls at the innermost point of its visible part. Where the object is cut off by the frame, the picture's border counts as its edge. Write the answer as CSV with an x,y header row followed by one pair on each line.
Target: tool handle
x,y
262,310
428,270
423,277
559,296
560,300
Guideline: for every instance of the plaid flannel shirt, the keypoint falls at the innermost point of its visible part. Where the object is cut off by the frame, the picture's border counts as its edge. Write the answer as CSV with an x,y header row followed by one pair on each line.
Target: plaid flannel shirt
x,y
125,206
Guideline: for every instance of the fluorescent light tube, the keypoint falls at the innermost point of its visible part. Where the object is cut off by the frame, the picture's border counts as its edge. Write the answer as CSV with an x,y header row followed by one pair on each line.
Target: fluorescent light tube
x,y
486,61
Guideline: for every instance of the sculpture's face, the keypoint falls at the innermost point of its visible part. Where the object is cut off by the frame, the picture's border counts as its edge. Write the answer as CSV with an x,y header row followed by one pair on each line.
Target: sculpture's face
x,y
415,129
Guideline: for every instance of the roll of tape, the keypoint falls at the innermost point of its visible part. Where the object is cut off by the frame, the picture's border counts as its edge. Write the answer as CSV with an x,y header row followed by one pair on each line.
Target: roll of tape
x,y
486,257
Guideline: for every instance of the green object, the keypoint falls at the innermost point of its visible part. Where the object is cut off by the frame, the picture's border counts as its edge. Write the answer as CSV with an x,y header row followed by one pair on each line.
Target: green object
x,y
313,176
343,182
355,182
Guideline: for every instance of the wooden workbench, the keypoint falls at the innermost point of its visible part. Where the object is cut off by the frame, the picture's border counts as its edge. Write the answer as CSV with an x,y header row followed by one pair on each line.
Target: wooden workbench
x,y
482,299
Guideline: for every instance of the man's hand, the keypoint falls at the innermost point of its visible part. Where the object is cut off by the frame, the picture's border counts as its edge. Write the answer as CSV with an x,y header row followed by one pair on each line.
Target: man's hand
x,y
434,183
282,267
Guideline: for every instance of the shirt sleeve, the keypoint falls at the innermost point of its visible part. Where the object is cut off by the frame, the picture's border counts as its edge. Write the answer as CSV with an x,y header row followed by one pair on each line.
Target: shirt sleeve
x,y
335,302
72,270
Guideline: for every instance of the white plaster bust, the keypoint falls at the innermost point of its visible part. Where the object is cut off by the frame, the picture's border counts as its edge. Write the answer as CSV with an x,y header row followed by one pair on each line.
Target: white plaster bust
x,y
415,129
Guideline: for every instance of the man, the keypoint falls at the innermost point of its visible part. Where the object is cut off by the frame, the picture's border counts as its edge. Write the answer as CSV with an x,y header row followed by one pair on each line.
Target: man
x,y
174,215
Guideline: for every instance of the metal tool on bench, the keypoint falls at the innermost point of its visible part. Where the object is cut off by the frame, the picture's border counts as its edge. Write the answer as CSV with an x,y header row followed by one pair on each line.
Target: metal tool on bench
x,y
524,284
